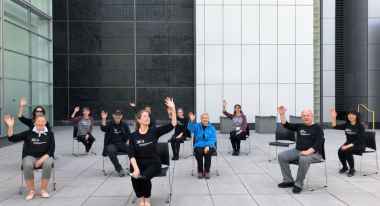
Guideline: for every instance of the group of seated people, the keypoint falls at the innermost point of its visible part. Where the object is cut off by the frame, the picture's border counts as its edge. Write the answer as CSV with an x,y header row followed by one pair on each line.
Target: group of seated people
x,y
141,145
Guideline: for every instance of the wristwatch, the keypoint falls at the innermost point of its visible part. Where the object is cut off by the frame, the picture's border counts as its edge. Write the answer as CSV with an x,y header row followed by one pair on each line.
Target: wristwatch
x,y
351,145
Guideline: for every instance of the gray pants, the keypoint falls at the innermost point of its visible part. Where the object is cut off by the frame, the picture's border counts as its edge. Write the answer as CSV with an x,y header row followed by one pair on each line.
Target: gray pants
x,y
304,163
28,165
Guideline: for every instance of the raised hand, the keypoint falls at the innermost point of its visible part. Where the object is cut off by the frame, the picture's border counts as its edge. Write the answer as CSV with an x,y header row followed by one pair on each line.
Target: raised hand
x,y
224,103
10,121
333,112
132,104
192,116
76,109
104,114
281,110
169,102
23,101
169,110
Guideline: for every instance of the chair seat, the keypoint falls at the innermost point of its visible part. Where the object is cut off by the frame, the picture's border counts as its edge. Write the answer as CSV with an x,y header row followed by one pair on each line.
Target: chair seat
x,y
163,172
245,138
213,154
281,144
182,141
118,153
296,162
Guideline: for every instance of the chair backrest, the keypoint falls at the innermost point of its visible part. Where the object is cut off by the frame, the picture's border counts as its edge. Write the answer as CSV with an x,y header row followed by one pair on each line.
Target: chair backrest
x,y
247,130
323,150
163,152
284,134
75,131
188,134
370,139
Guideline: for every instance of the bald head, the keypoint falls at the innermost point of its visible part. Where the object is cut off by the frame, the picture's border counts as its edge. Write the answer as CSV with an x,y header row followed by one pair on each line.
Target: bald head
x,y
307,110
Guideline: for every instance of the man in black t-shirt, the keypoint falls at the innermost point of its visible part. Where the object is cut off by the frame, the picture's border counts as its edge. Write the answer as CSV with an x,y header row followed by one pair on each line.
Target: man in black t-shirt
x,y
308,149
116,138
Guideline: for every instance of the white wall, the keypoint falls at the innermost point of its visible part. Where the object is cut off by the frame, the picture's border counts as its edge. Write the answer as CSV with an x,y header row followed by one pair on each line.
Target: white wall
x,y
255,53
328,58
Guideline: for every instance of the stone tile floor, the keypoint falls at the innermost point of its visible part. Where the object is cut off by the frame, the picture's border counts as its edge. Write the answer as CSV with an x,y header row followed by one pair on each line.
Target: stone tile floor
x,y
243,180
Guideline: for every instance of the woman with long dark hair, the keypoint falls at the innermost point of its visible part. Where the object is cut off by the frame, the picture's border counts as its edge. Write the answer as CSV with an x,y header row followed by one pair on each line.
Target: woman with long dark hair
x,y
355,142
239,124
31,122
143,152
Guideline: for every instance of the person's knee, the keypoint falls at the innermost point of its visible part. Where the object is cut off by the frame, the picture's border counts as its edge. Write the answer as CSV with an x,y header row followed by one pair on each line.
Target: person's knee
x,y
347,152
281,156
28,165
111,149
47,164
304,160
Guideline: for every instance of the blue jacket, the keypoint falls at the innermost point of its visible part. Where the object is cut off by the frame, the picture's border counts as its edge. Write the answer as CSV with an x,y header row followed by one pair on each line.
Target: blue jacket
x,y
210,134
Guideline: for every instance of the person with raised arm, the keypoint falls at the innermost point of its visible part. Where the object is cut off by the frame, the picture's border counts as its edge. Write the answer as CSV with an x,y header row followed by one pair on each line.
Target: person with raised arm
x,y
179,132
38,151
116,139
239,125
31,122
308,148
143,152
355,142
85,126
152,123
204,146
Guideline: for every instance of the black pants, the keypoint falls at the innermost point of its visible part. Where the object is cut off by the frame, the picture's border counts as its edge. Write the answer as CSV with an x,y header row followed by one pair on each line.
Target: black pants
x,y
149,169
87,143
199,154
176,143
346,155
112,149
235,139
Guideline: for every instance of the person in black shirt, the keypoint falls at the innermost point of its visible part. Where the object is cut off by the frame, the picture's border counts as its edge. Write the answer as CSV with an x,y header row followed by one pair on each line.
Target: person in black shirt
x,y
308,146
152,123
116,139
179,132
355,142
38,151
143,152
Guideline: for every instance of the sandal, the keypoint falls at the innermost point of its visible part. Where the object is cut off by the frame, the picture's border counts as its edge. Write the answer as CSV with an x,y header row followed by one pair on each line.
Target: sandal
x,y
141,204
147,204
30,196
44,194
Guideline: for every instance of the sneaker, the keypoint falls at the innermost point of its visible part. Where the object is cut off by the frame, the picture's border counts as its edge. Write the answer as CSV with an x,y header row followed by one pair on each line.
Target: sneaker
x,y
200,175
173,158
296,190
207,175
237,152
233,152
121,173
351,172
286,184
343,170
176,157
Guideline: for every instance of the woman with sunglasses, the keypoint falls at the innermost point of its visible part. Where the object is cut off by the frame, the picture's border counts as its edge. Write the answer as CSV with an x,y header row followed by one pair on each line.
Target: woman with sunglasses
x,y
31,122
239,124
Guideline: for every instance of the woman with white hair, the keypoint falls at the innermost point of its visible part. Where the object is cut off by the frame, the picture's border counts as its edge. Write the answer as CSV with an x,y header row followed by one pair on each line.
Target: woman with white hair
x,y
204,146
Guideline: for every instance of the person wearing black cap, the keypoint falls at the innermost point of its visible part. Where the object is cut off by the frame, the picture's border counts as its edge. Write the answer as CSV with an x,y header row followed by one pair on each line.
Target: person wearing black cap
x,y
116,139
152,123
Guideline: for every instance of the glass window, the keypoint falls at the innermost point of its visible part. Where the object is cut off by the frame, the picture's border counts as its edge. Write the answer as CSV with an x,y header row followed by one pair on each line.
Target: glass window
x,y
18,126
41,70
48,114
16,65
16,38
41,93
40,25
43,5
14,90
41,47
15,13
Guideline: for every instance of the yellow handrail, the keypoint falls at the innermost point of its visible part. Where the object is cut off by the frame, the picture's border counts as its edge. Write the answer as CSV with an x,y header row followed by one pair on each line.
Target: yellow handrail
x,y
373,115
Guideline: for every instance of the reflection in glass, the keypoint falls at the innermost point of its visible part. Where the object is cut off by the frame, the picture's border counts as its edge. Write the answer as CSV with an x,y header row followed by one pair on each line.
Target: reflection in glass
x,y
15,13
40,25
41,47
14,90
15,38
41,70
16,65
41,93
43,5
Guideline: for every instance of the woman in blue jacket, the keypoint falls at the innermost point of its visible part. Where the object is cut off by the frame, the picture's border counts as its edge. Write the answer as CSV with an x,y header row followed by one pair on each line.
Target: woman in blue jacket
x,y
205,137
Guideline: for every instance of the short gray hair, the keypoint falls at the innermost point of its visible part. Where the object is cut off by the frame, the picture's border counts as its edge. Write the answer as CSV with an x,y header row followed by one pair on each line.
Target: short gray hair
x,y
41,115
205,114
306,110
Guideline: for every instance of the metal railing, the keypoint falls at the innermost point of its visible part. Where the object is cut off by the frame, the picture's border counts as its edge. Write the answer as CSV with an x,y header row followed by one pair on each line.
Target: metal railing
x,y
373,115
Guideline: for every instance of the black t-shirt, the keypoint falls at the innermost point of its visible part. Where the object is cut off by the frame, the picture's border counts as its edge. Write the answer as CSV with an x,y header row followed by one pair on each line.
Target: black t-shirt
x,y
307,136
354,134
117,135
204,128
144,146
181,126
28,122
33,145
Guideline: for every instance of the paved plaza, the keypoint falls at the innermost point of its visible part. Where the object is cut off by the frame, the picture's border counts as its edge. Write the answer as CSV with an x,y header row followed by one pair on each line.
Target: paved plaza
x,y
243,180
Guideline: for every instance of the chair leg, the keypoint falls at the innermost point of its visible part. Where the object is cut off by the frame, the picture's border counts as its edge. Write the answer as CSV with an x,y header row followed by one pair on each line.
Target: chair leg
x,y
73,147
134,199
78,150
53,179
95,147
192,171
103,167
170,188
377,167
217,168
269,159
229,148
319,187
22,182
183,150
191,149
